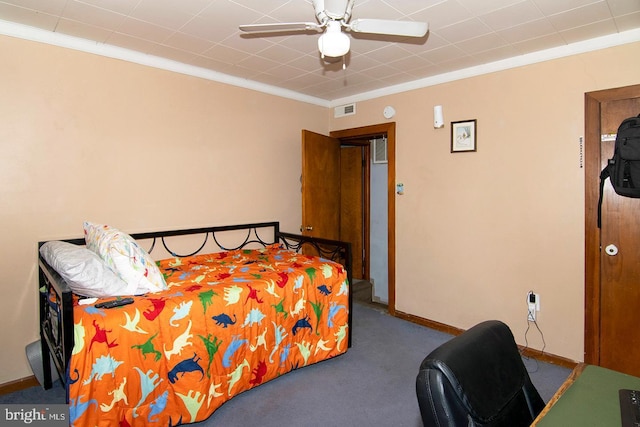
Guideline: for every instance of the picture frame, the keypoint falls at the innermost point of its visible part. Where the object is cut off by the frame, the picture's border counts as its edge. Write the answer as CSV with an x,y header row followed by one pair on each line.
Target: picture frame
x,y
464,136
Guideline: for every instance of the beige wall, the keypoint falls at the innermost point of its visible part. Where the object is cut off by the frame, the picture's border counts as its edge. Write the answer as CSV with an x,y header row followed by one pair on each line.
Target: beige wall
x,y
87,137
476,231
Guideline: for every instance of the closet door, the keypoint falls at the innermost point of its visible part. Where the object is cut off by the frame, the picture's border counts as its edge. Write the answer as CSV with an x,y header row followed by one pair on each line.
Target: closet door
x,y
612,334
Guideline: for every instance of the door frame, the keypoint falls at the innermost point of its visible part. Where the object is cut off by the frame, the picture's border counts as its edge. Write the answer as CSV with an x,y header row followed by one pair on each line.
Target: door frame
x,y
593,165
388,129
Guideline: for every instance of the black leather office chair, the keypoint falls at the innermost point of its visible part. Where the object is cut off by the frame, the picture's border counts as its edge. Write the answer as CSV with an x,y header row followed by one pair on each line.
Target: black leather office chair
x,y
477,379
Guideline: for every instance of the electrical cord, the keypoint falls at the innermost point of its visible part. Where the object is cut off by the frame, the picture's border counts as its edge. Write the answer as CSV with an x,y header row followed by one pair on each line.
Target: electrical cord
x,y
530,316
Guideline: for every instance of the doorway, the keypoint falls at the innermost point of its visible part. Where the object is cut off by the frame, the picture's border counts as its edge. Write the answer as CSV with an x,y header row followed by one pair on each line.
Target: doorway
x,y
612,291
351,137
366,134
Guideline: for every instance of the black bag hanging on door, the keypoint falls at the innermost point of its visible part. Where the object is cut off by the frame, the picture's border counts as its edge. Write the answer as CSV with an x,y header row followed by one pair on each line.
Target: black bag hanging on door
x,y
623,169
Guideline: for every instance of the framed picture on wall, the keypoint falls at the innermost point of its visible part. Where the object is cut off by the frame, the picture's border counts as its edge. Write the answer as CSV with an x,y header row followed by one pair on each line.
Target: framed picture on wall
x,y
464,136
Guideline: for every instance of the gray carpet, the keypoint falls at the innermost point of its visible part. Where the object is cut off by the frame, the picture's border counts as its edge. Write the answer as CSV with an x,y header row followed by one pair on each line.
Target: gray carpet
x,y
373,384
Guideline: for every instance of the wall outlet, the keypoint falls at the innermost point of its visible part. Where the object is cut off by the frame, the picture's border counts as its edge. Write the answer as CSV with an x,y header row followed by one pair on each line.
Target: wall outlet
x,y
533,306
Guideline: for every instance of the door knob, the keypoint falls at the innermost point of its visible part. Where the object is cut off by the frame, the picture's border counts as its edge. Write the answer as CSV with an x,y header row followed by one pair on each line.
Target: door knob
x,y
307,228
611,250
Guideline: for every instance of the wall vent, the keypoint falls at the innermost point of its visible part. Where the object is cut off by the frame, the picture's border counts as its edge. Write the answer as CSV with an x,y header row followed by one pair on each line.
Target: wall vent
x,y
345,110
380,150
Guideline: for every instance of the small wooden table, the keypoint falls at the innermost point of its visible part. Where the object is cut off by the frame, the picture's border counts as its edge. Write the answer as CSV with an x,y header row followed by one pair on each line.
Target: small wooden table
x,y
589,397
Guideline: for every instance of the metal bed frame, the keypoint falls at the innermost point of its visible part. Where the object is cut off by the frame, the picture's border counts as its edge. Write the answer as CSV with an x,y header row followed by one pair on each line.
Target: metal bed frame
x,y
56,298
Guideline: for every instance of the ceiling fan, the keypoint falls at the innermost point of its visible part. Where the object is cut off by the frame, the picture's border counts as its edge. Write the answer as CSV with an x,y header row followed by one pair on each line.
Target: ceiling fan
x,y
332,17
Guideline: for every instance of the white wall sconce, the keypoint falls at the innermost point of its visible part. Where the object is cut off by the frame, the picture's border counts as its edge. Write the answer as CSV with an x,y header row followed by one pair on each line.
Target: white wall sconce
x,y
438,118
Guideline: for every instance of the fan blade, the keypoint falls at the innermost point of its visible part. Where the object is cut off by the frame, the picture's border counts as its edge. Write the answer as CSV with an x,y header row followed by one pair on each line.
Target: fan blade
x,y
392,28
290,26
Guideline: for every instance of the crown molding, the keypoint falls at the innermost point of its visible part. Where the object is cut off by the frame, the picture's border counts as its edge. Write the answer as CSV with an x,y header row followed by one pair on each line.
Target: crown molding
x,y
12,29
25,32
590,45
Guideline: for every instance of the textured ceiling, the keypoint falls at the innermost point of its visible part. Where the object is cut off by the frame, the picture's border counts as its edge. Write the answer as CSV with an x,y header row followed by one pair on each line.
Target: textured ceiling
x,y
204,34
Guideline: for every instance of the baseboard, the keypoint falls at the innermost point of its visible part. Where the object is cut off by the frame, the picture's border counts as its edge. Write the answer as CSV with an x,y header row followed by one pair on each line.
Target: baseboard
x,y
525,351
377,300
18,385
429,323
549,358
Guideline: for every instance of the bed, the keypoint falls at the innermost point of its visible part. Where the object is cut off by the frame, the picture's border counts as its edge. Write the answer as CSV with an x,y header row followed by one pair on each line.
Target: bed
x,y
249,304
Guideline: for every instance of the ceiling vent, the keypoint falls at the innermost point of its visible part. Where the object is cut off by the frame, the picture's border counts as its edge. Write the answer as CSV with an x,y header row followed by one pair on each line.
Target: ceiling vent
x,y
380,150
345,110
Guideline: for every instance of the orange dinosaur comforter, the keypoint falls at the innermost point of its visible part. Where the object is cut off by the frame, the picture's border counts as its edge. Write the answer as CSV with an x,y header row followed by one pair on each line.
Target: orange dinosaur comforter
x,y
228,322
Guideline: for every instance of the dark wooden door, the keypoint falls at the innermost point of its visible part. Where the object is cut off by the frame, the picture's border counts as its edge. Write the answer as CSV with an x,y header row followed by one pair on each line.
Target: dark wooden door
x,y
616,333
320,186
352,205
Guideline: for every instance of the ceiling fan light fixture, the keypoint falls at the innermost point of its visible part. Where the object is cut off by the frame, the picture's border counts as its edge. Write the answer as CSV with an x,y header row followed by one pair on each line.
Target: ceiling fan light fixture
x,y
334,42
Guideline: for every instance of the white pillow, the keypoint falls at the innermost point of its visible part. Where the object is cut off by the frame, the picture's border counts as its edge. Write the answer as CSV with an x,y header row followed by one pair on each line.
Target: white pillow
x,y
132,263
85,272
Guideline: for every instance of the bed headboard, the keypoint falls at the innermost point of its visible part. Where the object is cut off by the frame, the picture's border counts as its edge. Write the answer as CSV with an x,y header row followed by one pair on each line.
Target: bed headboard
x,y
221,238
191,241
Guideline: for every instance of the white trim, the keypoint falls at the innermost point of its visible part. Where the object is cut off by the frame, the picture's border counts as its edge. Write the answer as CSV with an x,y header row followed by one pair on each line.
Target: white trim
x,y
598,43
43,36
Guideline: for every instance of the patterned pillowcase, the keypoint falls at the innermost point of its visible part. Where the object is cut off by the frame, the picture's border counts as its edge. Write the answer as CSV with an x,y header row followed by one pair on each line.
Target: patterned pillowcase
x,y
132,263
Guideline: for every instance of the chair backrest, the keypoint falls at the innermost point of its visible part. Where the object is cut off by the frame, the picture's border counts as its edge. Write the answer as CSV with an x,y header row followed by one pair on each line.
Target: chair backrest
x,y
477,379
